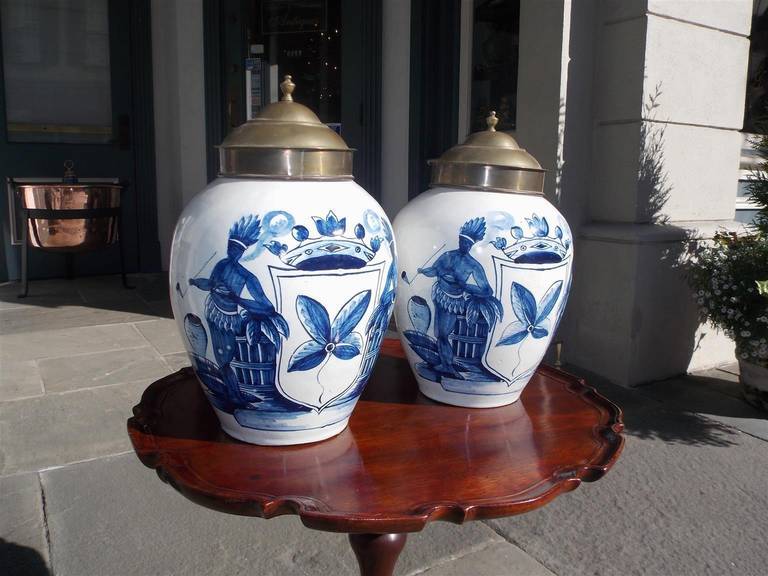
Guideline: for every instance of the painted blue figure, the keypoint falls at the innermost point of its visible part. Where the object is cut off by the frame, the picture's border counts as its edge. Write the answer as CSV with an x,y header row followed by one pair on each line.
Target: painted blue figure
x,y
452,290
226,311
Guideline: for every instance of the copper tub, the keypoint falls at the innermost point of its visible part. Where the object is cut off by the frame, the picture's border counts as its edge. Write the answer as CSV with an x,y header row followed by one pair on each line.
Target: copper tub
x,y
71,234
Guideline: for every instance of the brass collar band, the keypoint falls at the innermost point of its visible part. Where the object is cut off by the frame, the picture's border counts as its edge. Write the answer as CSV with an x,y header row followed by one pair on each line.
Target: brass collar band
x,y
286,163
487,177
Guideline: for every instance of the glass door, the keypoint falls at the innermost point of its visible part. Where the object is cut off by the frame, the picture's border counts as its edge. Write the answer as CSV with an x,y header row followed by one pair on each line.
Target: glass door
x,y
332,48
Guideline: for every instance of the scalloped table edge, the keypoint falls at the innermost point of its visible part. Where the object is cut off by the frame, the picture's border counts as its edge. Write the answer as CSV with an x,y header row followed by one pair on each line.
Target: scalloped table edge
x,y
314,514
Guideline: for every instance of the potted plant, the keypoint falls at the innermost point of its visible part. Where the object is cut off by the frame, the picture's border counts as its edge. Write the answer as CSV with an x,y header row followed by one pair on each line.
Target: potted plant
x,y
729,278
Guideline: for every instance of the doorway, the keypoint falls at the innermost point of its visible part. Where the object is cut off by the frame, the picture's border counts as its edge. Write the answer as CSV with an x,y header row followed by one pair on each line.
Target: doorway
x,y
76,84
332,48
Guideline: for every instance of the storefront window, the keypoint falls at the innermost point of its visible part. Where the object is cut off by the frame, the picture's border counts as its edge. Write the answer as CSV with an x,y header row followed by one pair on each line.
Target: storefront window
x,y
301,38
756,111
56,70
495,43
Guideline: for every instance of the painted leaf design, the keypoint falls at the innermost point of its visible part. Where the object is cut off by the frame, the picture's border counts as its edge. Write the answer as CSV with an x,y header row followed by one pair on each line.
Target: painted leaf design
x,y
516,232
269,331
549,300
472,313
349,315
513,333
425,346
307,356
252,332
349,347
419,313
281,325
523,303
539,332
496,303
314,318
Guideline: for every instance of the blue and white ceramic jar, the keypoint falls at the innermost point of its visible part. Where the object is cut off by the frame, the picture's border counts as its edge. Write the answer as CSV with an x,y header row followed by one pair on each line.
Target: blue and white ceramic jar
x,y
283,280
485,264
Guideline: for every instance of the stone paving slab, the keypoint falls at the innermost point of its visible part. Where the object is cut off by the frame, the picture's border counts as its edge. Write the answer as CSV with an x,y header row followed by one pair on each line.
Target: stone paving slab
x,y
716,398
114,516
26,321
163,335
105,289
23,546
19,379
102,369
687,496
57,429
497,559
177,361
58,343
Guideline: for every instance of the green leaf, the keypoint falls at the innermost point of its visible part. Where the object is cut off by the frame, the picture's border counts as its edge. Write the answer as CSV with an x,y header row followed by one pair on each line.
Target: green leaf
x,y
762,287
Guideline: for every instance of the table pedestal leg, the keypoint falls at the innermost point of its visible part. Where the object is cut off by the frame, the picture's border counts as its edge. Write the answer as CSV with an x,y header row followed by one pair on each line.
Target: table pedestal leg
x,y
377,553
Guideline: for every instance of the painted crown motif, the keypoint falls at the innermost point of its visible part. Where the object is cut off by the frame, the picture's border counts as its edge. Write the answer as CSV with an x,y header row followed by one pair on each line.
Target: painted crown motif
x,y
331,249
536,247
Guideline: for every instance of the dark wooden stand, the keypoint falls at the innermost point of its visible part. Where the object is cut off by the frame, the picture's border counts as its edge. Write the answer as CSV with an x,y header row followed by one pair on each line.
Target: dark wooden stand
x,y
402,462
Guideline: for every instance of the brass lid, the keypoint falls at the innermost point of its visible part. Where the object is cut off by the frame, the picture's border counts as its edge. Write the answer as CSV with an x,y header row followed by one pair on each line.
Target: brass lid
x,y
286,140
489,160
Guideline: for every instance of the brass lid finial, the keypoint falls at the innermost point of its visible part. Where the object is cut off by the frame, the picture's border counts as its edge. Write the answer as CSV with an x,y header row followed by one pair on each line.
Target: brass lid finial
x,y
492,120
287,86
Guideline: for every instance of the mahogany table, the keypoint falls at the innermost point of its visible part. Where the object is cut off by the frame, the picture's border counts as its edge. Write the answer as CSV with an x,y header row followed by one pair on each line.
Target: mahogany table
x,y
403,461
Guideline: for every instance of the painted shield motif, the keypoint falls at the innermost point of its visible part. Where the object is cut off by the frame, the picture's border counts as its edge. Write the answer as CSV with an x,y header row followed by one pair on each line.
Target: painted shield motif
x,y
531,313
327,311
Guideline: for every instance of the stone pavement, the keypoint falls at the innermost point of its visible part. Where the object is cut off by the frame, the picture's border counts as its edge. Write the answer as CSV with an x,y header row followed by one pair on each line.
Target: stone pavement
x,y
688,496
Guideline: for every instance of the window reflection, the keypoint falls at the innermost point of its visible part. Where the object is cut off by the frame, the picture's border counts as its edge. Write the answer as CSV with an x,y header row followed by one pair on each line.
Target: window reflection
x,y
301,38
56,70
495,42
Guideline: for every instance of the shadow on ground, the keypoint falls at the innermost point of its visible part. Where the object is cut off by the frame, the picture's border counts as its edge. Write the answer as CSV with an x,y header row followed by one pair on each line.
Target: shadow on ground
x,y
16,560
653,412
148,294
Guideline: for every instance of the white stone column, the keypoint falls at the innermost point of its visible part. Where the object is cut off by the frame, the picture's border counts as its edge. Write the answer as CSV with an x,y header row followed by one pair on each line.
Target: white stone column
x,y
179,102
668,101
395,104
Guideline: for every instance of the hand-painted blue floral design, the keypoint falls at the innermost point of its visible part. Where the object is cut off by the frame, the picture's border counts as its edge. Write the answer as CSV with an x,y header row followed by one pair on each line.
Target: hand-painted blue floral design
x,y
376,243
500,243
300,233
538,225
359,232
277,248
531,319
330,225
516,232
328,338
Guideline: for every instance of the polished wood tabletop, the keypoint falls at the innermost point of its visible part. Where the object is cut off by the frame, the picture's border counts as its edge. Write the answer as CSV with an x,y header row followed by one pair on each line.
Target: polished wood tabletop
x,y
403,461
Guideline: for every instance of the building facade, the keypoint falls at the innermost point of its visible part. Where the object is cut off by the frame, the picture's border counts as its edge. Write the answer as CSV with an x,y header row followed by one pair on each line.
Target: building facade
x,y
635,107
